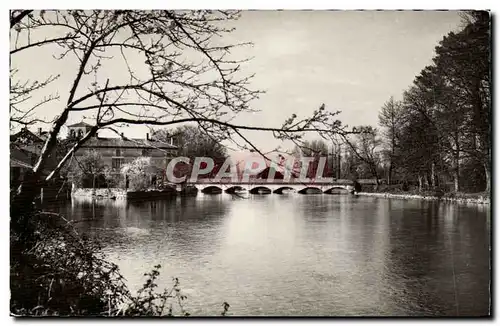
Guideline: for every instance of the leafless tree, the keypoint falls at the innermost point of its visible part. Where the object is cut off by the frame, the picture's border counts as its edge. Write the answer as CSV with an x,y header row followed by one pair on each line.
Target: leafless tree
x,y
187,74
390,118
366,148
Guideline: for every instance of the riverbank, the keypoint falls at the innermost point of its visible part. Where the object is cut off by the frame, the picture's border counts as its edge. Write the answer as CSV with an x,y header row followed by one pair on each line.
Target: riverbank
x,y
117,193
460,198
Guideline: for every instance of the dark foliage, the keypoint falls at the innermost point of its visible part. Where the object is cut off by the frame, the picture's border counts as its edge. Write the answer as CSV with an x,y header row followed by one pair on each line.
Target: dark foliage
x,y
56,272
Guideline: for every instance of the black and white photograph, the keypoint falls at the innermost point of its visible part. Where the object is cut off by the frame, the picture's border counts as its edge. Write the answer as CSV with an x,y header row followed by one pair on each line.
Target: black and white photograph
x,y
250,163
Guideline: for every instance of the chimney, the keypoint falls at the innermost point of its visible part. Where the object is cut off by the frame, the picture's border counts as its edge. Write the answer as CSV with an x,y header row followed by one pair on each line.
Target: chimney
x,y
121,134
147,136
39,131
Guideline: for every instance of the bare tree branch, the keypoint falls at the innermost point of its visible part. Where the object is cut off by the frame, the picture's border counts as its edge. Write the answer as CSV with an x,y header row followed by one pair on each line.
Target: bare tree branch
x,y
17,15
40,43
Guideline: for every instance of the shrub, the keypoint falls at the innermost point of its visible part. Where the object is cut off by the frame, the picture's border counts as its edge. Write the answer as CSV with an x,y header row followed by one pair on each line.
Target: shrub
x,y
88,171
56,272
139,182
60,273
138,173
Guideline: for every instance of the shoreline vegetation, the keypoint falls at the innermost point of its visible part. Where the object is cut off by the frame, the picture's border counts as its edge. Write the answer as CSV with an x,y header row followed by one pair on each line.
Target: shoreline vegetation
x,y
476,198
384,191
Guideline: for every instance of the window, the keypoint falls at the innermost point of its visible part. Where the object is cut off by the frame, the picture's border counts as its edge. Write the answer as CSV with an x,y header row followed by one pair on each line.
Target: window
x,y
80,133
116,163
118,152
72,133
146,152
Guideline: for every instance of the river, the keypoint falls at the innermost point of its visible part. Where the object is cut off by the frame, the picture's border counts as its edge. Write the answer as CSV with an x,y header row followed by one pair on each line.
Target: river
x,y
302,255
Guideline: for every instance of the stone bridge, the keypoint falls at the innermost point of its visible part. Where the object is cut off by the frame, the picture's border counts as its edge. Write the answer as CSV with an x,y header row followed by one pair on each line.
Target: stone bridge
x,y
272,186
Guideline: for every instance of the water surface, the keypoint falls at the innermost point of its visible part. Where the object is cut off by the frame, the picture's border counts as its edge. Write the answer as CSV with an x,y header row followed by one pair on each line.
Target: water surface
x,y
289,255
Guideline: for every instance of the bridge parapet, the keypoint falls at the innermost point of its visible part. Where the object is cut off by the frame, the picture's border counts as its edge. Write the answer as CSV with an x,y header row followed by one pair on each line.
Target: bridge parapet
x,y
309,182
275,186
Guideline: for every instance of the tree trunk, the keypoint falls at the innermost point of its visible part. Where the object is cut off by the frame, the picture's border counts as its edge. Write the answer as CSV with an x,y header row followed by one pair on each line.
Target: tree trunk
x,y
456,170
427,180
433,176
389,176
338,166
456,173
375,174
487,172
393,151
420,183
456,179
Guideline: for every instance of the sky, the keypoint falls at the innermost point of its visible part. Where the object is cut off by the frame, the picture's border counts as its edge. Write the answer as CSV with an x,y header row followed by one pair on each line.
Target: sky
x,y
352,61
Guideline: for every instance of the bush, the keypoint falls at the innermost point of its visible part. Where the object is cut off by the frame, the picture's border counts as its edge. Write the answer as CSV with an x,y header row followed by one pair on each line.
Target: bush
x,y
139,182
88,171
138,173
60,273
55,271
472,177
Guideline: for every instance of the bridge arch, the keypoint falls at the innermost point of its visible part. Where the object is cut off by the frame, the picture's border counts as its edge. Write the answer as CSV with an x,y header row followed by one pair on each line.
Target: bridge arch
x,y
261,190
330,190
233,189
213,190
310,190
281,189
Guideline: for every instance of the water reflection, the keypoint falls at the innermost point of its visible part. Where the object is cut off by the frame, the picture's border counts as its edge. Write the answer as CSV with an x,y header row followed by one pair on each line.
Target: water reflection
x,y
303,254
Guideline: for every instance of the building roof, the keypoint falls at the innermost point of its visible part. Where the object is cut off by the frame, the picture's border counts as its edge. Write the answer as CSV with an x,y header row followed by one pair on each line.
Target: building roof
x,y
125,143
19,164
26,148
19,157
27,136
80,124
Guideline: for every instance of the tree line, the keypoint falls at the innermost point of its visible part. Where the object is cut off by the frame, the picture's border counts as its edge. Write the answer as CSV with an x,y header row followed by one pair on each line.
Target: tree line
x,y
438,136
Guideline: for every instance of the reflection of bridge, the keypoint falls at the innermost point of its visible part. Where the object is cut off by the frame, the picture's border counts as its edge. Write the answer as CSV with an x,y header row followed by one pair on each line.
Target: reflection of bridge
x,y
274,186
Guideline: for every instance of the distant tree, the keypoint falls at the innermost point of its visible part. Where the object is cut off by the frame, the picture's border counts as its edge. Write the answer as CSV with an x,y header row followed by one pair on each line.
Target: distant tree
x,y
453,99
418,152
349,165
88,171
316,149
445,110
390,119
139,173
463,60
365,146
193,142
424,142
